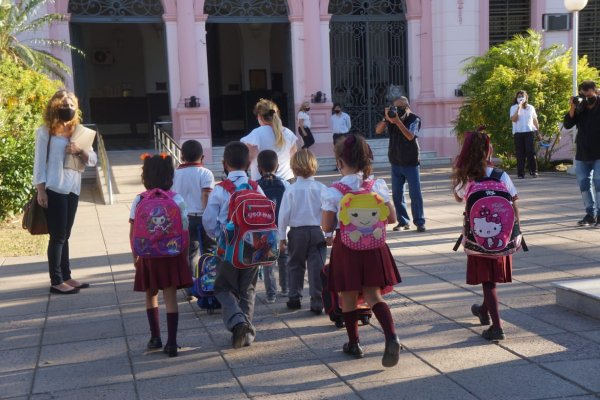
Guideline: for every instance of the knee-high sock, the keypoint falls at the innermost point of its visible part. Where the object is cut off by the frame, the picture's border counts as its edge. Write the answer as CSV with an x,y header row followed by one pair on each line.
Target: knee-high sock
x,y
384,316
490,298
153,321
351,322
172,322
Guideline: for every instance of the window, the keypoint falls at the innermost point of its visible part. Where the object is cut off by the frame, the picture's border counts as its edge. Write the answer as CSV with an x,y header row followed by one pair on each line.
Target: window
x,y
508,18
589,31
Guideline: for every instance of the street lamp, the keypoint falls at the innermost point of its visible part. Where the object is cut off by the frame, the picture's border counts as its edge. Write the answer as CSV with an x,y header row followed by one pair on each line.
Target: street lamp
x,y
575,6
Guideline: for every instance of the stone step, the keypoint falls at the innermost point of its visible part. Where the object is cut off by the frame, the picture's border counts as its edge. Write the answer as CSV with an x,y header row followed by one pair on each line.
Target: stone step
x,y
581,295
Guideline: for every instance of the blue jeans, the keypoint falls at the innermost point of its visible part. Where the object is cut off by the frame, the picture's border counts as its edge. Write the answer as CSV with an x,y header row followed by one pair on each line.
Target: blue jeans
x,y
588,172
410,175
269,275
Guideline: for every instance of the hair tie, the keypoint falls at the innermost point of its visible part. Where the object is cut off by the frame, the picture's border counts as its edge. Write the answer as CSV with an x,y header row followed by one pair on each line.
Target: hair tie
x,y
144,156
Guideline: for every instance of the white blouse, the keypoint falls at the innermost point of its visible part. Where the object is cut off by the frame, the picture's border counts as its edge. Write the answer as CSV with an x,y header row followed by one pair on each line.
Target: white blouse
x,y
330,200
525,121
263,138
51,172
303,115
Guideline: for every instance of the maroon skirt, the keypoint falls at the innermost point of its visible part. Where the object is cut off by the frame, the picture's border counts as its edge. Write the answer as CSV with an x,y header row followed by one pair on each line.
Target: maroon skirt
x,y
162,273
351,270
482,269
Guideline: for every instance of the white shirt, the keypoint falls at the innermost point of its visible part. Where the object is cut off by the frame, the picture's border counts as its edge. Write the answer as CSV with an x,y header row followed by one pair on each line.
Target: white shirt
x,y
302,115
330,201
525,121
177,199
215,214
340,123
58,179
263,138
460,190
189,182
301,205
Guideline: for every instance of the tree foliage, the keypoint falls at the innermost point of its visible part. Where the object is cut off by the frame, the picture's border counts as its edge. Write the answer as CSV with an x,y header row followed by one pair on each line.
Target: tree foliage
x,y
23,97
19,23
521,63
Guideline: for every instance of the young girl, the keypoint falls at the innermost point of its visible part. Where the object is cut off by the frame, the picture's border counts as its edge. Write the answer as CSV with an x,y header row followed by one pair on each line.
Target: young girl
x,y
369,273
472,163
304,125
167,274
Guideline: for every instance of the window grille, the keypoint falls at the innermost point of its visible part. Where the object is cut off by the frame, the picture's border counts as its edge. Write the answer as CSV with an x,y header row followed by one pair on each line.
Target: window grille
x,y
508,18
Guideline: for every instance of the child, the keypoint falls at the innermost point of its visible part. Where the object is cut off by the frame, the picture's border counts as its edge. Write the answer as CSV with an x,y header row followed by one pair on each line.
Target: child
x,y
234,288
369,273
472,163
301,211
167,274
274,189
194,183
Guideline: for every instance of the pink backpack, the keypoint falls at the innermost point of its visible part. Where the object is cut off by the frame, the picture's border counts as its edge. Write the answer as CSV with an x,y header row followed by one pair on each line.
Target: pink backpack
x,y
490,228
157,226
363,217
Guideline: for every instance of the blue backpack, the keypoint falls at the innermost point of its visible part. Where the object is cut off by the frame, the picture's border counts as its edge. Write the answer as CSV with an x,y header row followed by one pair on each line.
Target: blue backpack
x,y
274,188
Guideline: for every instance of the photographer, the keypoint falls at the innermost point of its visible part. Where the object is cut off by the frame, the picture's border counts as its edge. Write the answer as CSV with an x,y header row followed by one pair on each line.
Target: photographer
x,y
584,112
524,126
403,152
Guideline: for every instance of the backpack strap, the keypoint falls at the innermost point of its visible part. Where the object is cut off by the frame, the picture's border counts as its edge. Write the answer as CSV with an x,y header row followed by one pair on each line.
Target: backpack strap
x,y
496,173
228,185
368,184
342,188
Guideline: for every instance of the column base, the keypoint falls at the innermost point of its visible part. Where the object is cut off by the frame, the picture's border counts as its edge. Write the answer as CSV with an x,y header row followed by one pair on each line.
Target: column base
x,y
193,123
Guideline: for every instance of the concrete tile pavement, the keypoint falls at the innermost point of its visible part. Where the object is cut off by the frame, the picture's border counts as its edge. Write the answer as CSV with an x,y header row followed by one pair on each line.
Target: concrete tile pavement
x,y
93,345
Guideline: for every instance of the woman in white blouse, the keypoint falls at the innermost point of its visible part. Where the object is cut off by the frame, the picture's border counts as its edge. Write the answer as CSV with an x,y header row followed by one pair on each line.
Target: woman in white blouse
x,y
57,187
270,135
524,126
304,125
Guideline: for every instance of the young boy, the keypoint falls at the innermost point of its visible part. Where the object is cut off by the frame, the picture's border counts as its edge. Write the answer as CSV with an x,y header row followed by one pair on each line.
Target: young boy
x,y
234,288
194,183
301,211
274,189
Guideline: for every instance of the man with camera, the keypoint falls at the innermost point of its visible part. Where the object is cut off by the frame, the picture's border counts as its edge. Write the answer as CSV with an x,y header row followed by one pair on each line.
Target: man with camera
x,y
403,127
584,112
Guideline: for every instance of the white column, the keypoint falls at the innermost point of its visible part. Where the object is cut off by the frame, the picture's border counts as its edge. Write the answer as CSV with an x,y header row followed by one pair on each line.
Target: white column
x,y
413,27
173,63
297,31
326,57
60,31
202,64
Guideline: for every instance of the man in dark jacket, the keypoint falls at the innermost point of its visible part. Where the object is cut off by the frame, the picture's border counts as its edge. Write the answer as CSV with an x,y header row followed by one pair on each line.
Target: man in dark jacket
x,y
586,116
403,127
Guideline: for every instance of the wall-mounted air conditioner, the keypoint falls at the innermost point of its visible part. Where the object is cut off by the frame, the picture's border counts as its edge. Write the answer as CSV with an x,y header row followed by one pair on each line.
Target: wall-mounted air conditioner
x,y
556,22
102,57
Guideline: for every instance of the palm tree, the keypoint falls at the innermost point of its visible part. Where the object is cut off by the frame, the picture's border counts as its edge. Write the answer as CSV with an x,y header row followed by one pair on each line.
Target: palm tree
x,y
18,41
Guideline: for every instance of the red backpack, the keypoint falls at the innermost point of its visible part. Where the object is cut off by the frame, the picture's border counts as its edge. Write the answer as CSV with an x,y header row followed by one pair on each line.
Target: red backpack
x,y
250,236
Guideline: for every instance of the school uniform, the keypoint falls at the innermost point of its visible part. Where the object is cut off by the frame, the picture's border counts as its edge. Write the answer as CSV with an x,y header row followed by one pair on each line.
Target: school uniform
x,y
340,125
234,288
309,139
301,211
351,270
483,269
162,273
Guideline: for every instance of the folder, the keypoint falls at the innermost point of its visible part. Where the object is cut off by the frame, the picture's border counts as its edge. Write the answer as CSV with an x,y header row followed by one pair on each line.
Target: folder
x,y
84,138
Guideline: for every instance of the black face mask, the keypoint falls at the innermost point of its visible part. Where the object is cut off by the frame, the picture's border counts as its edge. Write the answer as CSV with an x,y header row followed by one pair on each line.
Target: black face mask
x,y
338,111
401,110
66,114
308,109
590,100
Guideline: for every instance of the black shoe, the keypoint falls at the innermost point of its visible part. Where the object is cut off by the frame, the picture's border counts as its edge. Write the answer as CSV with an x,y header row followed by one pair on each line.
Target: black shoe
x,y
58,291
294,304
534,174
421,228
588,220
391,355
154,343
238,337
493,334
353,349
484,319
316,311
401,227
521,176
171,350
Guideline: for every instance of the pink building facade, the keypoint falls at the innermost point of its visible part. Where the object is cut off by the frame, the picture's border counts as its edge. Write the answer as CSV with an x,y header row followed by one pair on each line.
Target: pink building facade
x,y
438,36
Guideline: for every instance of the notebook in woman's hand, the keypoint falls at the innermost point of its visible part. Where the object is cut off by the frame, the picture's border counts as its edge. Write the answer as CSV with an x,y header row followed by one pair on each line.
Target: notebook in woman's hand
x,y
84,138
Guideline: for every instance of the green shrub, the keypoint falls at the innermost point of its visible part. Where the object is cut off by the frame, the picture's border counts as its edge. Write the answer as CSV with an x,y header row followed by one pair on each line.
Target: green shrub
x,y
23,97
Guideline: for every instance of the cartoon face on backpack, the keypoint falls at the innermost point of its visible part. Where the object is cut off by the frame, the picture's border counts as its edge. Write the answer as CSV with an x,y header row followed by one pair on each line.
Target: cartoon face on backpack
x,y
158,221
362,218
488,226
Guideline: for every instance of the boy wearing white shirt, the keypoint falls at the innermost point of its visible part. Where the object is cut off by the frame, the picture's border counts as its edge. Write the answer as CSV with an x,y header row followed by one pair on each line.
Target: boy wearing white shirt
x,y
301,211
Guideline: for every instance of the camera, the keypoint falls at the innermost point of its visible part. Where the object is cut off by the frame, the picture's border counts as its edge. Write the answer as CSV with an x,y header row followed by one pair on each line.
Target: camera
x,y
392,111
577,100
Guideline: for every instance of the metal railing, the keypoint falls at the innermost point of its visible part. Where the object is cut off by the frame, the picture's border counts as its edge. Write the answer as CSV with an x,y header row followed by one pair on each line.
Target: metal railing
x,y
164,142
103,162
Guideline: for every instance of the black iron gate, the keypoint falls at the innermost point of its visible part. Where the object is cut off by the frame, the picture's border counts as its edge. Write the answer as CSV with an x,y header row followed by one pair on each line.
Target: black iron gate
x,y
368,58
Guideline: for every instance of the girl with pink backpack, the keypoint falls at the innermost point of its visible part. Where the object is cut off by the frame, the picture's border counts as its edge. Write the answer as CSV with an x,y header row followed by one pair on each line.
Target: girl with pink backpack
x,y
471,166
159,239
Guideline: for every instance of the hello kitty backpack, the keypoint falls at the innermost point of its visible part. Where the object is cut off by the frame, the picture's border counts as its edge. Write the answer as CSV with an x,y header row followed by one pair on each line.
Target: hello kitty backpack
x,y
157,226
490,228
363,215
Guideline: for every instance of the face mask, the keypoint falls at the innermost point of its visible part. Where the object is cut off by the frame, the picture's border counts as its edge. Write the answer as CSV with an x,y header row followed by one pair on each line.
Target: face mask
x,y
308,109
520,99
338,111
590,100
66,114
401,110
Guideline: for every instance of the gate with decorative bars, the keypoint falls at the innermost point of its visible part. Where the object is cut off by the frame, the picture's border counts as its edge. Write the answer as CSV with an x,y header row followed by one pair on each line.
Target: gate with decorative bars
x,y
368,58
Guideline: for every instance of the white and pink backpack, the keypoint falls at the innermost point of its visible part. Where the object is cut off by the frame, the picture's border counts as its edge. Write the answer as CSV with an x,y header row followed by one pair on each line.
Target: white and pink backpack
x,y
490,227
157,226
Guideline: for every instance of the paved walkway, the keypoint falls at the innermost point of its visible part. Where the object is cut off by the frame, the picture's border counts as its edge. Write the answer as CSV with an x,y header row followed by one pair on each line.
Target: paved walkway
x,y
93,345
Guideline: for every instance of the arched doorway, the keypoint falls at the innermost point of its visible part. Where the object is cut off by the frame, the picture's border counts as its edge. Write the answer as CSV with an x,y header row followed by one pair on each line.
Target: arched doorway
x,y
249,57
368,57
123,81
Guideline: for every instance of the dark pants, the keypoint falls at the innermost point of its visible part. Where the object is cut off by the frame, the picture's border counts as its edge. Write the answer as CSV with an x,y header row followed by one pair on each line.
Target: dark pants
x,y
198,238
60,215
307,251
524,150
309,140
338,136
